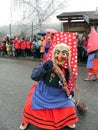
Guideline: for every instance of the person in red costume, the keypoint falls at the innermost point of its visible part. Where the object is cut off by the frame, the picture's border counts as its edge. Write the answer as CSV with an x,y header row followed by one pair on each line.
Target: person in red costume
x,y
48,105
92,61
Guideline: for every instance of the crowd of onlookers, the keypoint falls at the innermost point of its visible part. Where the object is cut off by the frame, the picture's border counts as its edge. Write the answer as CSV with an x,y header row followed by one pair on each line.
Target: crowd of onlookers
x,y
23,46
35,47
15,47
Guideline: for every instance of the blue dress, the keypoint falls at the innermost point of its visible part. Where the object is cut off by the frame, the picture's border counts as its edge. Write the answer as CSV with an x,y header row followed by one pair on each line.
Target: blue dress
x,y
46,97
48,94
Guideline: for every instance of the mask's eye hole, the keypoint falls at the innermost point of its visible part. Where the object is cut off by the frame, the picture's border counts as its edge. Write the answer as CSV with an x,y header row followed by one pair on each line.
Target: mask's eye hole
x,y
64,54
57,52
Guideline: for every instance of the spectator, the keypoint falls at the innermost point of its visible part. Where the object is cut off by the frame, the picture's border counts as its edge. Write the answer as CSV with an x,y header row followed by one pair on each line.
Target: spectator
x,y
28,47
46,48
41,44
37,48
1,48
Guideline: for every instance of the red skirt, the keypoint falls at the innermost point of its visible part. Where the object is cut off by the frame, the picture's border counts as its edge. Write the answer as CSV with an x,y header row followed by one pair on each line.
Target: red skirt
x,y
94,70
51,119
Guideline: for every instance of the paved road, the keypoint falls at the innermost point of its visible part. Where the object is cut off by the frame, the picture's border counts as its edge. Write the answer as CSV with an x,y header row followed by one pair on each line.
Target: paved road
x,y
15,84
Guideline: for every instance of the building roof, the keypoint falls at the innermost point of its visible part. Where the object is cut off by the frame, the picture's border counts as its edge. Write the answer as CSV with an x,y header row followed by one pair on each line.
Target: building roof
x,y
87,15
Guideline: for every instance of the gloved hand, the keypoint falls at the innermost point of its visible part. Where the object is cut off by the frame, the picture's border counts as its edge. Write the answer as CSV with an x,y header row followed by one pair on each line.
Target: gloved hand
x,y
48,65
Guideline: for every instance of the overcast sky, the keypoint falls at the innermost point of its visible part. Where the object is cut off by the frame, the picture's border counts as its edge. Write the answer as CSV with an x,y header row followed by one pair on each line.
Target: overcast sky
x,y
4,12
72,5
82,5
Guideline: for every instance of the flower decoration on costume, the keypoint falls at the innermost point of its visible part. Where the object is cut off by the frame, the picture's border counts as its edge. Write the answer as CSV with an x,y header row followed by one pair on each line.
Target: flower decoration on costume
x,y
52,75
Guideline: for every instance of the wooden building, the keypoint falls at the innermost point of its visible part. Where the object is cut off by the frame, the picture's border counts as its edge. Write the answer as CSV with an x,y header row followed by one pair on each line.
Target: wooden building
x,y
79,21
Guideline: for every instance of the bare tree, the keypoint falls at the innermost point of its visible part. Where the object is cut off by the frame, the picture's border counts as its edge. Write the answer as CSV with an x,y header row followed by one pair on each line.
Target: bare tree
x,y
38,11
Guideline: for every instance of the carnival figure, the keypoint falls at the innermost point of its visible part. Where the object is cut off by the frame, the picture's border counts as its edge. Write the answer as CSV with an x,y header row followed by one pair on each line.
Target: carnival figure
x,y
92,60
48,105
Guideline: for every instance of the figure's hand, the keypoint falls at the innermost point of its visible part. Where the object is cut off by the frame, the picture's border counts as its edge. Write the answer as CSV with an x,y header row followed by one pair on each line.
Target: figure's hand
x,y
48,65
72,94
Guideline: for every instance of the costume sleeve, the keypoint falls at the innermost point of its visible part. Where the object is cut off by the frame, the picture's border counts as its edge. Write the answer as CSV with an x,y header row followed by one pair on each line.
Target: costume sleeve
x,y
39,72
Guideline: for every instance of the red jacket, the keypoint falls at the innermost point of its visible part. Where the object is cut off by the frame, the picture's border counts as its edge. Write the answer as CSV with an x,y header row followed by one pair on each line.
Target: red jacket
x,y
28,44
17,43
23,45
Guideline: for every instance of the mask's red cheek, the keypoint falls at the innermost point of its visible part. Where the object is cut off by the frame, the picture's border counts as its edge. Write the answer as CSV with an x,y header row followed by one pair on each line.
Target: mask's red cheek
x,y
65,57
61,58
56,57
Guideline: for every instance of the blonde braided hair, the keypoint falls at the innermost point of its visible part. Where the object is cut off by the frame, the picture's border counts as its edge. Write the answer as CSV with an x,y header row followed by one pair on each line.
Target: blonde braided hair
x,y
58,70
